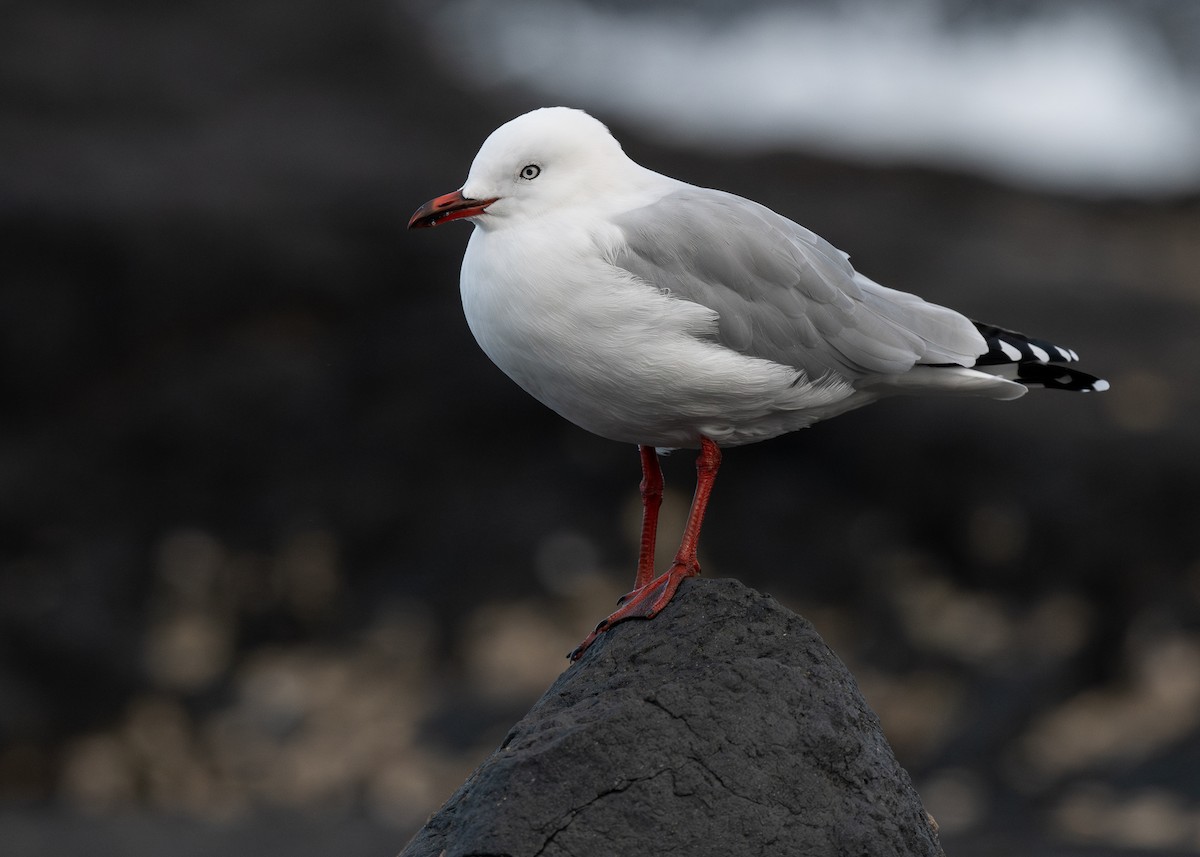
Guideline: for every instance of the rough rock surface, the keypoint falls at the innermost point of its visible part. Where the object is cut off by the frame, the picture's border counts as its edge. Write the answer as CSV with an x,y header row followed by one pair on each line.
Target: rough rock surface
x,y
725,726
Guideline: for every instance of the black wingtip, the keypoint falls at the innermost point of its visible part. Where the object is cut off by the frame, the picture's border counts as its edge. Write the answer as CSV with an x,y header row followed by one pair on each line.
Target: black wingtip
x,y
1008,346
1054,377
1034,362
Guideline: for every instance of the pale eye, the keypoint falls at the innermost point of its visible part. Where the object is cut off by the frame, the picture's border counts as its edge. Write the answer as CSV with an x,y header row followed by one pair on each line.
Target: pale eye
x,y
529,172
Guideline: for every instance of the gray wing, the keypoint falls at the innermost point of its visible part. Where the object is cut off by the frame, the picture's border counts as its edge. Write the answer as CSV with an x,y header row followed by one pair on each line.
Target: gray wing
x,y
783,293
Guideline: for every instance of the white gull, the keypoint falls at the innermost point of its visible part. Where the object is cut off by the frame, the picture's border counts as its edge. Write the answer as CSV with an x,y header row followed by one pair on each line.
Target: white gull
x,y
651,311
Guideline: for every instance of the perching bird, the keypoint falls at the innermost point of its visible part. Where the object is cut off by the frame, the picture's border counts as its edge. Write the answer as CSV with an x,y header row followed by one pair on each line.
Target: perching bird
x,y
655,312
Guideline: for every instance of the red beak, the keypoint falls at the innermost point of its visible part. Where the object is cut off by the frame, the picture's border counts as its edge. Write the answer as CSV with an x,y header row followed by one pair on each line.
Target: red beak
x,y
443,209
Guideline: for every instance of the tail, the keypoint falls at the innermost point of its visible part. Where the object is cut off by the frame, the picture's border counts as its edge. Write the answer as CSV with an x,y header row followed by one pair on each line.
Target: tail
x,y
1033,362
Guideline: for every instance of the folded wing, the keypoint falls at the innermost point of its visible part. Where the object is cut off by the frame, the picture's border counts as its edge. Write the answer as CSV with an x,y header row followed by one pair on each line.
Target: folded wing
x,y
783,293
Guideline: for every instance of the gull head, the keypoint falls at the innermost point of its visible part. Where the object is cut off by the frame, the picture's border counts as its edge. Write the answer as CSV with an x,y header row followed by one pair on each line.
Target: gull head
x,y
539,163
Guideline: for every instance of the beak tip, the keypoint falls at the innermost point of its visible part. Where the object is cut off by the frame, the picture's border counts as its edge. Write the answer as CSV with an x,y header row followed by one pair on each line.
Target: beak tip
x,y
424,217
443,209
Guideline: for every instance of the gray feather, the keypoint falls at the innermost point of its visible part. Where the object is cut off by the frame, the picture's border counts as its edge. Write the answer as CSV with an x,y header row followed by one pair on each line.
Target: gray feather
x,y
783,293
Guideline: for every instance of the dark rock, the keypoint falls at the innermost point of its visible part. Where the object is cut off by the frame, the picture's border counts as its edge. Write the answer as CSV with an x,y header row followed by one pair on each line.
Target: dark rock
x,y
725,726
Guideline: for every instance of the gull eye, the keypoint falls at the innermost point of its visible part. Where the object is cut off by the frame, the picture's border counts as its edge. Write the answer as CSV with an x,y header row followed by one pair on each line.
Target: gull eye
x,y
529,172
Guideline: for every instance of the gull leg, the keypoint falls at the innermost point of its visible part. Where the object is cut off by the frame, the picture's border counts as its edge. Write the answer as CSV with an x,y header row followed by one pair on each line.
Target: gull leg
x,y
652,493
707,465
648,600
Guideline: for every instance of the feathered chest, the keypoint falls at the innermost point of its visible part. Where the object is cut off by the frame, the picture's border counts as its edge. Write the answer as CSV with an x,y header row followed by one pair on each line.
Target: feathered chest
x,y
528,298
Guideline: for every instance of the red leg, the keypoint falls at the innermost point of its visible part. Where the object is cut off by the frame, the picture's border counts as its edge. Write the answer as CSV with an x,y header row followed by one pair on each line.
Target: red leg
x,y
652,492
707,465
648,599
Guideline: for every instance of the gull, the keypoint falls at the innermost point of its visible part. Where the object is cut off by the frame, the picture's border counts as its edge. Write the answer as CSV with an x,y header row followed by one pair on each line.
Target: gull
x,y
654,312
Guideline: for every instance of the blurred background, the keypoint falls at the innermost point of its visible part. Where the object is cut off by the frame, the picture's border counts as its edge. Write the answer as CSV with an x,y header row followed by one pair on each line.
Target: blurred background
x,y
283,556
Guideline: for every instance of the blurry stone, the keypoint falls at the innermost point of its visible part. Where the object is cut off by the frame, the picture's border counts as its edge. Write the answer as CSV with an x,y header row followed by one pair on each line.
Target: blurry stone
x,y
97,775
402,792
309,575
957,798
997,532
1155,706
187,651
1056,627
188,563
1157,819
24,772
725,726
564,560
919,708
158,732
312,728
1096,813
938,616
513,650
401,640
